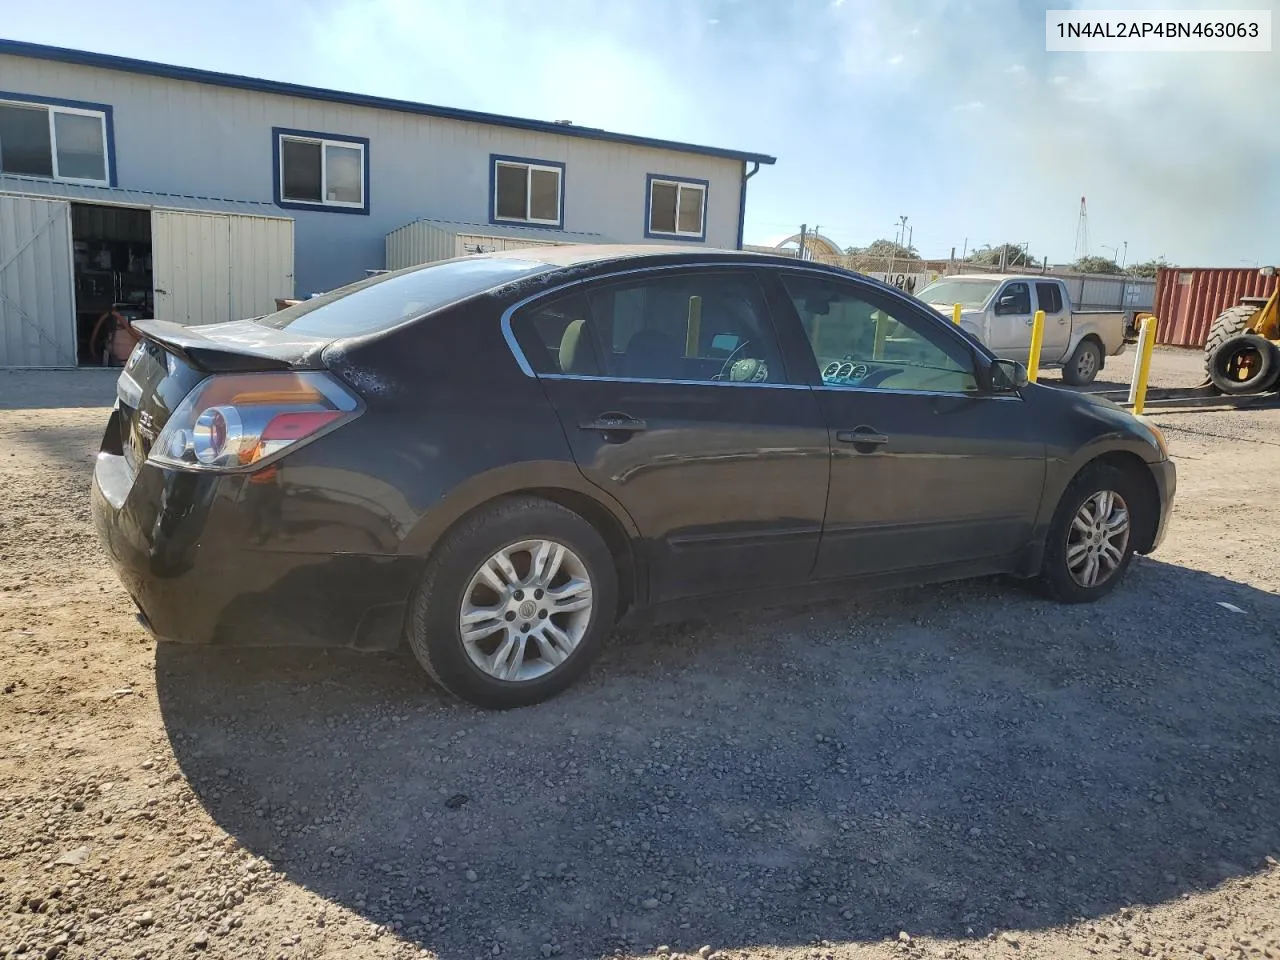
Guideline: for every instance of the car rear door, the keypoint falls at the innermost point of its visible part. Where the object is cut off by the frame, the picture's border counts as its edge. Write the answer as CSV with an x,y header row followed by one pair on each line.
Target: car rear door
x,y
1057,320
671,389
926,470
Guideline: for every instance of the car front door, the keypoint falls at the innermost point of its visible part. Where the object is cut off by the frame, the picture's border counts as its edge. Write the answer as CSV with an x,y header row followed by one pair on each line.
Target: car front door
x,y
927,470
671,389
1010,325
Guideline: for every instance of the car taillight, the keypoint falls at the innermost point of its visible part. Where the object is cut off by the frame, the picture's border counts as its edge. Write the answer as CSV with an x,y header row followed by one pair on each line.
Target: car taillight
x,y
239,422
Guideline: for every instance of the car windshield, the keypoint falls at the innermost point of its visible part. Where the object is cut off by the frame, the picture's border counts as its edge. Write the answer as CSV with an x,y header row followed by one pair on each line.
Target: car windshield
x,y
967,293
383,301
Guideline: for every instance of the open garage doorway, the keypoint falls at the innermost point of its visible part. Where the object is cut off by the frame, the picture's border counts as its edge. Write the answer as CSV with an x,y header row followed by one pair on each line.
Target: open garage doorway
x,y
111,259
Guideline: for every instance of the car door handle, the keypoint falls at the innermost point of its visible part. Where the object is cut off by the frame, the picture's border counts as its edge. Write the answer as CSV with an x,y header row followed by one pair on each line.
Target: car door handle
x,y
862,437
614,423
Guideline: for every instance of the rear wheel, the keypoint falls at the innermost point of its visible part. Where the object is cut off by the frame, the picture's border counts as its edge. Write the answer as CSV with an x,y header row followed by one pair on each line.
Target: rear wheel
x,y
1091,539
515,604
1083,364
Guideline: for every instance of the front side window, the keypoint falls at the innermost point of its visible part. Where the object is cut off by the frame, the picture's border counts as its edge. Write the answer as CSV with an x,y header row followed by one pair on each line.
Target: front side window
x,y
697,326
677,208
322,171
860,343
528,191
54,141
1014,300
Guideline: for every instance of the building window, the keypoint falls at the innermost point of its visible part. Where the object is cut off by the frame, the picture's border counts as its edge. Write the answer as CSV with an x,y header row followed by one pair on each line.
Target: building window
x,y
55,139
526,191
322,170
676,208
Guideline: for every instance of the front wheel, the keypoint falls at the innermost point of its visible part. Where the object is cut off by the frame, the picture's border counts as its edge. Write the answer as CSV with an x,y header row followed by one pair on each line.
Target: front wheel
x,y
1090,542
515,604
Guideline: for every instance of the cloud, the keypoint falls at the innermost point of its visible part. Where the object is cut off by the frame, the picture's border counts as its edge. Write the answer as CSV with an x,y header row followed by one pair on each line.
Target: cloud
x,y
971,105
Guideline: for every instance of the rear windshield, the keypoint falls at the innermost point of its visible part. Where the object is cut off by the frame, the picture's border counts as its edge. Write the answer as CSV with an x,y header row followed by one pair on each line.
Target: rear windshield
x,y
381,302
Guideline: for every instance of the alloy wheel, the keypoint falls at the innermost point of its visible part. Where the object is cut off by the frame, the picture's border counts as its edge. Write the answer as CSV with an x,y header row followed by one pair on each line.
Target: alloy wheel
x,y
525,610
1098,538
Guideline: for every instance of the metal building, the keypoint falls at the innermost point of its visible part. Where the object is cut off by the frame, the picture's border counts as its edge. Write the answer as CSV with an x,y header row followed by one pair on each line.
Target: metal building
x,y
346,169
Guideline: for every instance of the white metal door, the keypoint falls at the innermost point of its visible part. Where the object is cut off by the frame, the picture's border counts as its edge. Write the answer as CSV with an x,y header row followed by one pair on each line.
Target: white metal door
x,y
261,264
191,266
37,283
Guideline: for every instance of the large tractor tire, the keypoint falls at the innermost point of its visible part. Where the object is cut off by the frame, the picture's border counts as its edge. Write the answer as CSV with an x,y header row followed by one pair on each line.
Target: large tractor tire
x,y
1230,323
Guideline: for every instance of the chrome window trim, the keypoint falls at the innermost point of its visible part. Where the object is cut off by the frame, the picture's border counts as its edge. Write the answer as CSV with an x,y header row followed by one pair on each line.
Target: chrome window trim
x,y
682,383
509,335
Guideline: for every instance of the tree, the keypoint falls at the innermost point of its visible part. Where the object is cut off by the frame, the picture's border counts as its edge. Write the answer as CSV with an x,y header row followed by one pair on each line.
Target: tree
x,y
1148,270
1096,265
884,249
990,256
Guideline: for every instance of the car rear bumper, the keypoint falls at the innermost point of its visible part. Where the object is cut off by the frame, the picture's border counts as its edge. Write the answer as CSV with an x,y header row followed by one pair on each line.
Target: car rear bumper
x,y
201,566
1166,477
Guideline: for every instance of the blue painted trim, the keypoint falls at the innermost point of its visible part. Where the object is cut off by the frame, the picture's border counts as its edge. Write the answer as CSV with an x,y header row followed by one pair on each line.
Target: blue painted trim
x,y
277,174
494,160
40,51
103,108
648,197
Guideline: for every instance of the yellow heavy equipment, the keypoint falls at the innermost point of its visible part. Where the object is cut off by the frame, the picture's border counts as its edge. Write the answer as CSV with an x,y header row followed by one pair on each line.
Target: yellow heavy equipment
x,y
1242,354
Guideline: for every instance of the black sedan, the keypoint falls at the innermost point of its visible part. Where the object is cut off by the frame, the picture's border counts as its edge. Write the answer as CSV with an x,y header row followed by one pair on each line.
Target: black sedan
x,y
495,458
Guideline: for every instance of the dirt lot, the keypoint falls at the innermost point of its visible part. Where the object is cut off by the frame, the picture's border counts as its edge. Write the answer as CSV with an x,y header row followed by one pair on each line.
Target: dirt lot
x,y
957,772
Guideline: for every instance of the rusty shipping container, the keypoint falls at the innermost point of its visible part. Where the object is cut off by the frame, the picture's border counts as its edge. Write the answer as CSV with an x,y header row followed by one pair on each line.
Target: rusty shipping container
x,y
1189,299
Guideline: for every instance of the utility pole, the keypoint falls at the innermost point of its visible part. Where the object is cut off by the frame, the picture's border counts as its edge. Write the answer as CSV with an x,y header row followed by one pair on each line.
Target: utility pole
x,y
965,248
911,232
804,227
1124,256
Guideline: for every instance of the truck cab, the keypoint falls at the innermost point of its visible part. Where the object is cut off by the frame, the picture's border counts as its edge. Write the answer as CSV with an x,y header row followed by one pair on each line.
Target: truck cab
x,y
999,310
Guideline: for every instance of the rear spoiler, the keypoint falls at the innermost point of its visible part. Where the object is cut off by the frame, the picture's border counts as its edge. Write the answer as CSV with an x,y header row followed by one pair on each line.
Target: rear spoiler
x,y
244,346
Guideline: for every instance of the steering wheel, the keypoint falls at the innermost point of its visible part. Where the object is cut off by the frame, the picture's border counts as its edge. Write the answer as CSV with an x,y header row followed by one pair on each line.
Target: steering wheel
x,y
728,361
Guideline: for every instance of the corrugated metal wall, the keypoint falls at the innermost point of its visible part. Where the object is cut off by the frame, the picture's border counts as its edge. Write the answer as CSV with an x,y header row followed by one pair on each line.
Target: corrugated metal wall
x,y
1189,299
37,308
418,242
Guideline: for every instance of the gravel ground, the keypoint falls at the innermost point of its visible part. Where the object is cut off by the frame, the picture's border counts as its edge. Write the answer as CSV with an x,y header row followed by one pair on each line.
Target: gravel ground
x,y
958,772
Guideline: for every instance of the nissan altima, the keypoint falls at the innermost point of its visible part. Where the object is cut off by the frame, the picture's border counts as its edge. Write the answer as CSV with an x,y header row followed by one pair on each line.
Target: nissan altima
x,y
495,458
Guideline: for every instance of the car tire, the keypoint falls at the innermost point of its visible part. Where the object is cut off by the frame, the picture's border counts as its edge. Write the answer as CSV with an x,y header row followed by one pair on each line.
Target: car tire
x,y
1083,365
1065,569
461,582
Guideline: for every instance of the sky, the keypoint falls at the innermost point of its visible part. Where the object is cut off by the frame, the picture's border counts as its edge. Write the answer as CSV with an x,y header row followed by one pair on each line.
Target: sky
x,y
948,112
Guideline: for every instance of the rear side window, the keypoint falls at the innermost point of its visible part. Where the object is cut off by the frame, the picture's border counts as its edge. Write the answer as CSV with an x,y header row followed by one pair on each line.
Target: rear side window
x,y
555,337
384,301
1050,297
695,326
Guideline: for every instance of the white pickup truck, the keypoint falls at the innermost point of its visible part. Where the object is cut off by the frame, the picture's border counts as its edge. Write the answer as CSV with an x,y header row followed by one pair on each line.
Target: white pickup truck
x,y
998,309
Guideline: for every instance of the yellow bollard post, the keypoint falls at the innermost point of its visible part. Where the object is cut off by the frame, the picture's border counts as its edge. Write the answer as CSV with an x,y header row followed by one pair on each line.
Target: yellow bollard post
x,y
955,314
1037,341
1142,365
882,334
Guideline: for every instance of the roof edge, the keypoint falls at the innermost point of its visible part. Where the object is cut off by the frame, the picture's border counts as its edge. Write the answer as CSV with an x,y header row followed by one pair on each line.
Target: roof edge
x,y
107,61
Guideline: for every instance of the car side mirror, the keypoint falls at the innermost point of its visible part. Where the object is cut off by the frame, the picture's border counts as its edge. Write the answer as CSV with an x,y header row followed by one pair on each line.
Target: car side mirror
x,y
1006,376
1007,304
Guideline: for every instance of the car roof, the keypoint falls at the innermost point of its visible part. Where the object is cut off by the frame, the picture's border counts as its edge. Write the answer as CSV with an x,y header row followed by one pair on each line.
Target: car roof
x,y
583,254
